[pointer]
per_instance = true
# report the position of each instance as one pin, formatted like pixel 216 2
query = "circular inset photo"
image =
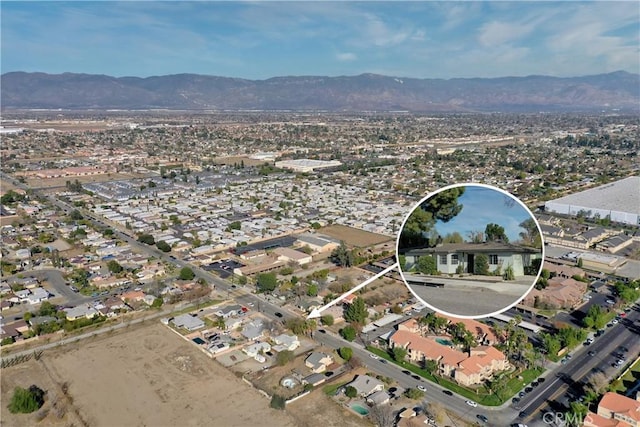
pixel 470 250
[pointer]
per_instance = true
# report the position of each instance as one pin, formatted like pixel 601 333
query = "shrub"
pixel 351 391
pixel 346 353
pixel 277 402
pixel 348 333
pixel 26 400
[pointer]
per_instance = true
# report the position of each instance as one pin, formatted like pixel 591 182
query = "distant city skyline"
pixel 482 206
pixel 259 40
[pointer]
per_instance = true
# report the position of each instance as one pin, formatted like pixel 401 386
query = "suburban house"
pixel 318 361
pixel 81 311
pixel 454 257
pixel 253 330
pixel 189 322
pixel 366 385
pixel 286 342
pixel 37 296
pixel 378 398
pixel 615 410
pixel 256 348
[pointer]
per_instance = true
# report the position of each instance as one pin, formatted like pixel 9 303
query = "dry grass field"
pixel 353 236
pixel 143 376
pixel 61 182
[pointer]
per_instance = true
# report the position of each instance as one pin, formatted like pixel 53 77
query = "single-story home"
pixel 378 398
pixel 318 361
pixel 454 257
pixel 366 385
pixel 188 321
pixel 256 348
pixel 286 342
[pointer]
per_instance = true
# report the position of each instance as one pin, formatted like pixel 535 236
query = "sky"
pixel 482 206
pixel 259 40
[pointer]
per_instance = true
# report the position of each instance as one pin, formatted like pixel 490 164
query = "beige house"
pixel 615 410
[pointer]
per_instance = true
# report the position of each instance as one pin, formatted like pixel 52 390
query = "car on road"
pixel 599 333
pixel 564 360
pixel 521 394
pixel 589 341
pixel 383 361
pixel 471 403
pixel 373 356
pixel 592 353
pixel 482 418
pixel 406 372
pixel 448 392
pixel 416 377
pixel 528 389
pixel 541 380
pixel 515 400
pixel 422 388
pixel 614 321
pixel 278 314
pixel 610 302
pixel 623 349
pixel 322 331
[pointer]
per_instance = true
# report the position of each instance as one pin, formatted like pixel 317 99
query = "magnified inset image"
pixel 470 250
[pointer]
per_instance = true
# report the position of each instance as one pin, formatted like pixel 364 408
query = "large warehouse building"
pixel 307 165
pixel 619 200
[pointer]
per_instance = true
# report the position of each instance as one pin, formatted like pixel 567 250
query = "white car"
pixel 422 388
pixel 614 321
pixel 373 356
pixel 472 403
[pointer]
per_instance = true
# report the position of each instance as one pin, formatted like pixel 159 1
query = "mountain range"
pixel 366 92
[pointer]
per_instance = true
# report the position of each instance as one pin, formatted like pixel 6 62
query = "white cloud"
pixel 346 56
pixel 496 33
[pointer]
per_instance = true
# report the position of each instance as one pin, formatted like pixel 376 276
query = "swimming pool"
pixel 444 342
pixel 360 409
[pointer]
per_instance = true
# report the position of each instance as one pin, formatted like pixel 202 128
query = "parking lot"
pixel 224 267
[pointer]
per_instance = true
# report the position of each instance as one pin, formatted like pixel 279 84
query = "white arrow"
pixel 316 311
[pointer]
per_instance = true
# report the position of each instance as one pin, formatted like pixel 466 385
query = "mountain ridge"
pixel 367 91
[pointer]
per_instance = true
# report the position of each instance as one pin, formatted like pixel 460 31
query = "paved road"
pixel 581 366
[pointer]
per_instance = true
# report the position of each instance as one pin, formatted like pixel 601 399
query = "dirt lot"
pixel 353 236
pixel 145 376
pixel 61 182
pixel 6 186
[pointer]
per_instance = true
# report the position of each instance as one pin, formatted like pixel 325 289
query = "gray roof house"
pixel 318 361
pixel 229 310
pixel 189 322
pixel 366 385
pixel 449 257
pixel 253 330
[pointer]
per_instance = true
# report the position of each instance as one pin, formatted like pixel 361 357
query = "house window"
pixel 493 259
pixel 443 259
pixel 454 259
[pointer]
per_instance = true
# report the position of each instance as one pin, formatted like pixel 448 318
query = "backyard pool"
pixel 360 409
pixel 444 341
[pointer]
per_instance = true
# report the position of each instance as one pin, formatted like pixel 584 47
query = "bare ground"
pixel 354 236
pixel 144 376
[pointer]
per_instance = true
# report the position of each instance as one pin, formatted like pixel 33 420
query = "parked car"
pixel 471 403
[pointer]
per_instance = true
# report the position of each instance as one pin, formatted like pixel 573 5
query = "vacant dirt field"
pixel 61 182
pixel 353 236
pixel 5 186
pixel 149 376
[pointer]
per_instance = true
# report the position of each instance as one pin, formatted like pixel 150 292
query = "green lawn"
pixel 330 390
pixel 628 380
pixel 481 395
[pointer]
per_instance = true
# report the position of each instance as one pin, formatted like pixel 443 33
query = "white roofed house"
pixel 286 342
pixel 38 295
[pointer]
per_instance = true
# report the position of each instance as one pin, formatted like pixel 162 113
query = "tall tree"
pixel 356 312
pixel 342 255
pixel 441 207
pixel 494 232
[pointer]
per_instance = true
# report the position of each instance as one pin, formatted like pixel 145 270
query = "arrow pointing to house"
pixel 316 312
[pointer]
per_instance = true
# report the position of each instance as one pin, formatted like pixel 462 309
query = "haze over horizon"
pixel 268 39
